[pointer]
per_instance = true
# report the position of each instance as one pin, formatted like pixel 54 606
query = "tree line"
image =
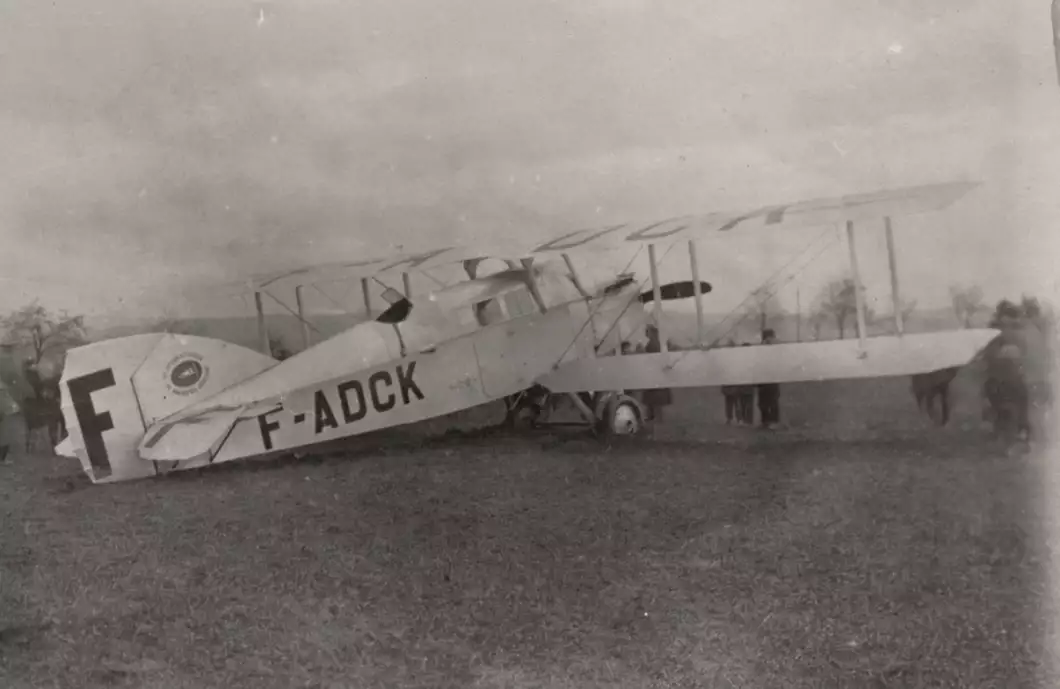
pixel 43 336
pixel 836 305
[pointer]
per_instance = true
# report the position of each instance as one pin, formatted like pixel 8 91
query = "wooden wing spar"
pixel 809 213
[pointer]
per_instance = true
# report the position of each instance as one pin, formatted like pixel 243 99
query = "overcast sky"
pixel 148 145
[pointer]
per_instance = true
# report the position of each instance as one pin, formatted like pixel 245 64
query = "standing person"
pixel 656 398
pixel 746 404
pixel 732 404
pixel 769 393
pixel 13 392
pixel 731 393
pixel 1006 382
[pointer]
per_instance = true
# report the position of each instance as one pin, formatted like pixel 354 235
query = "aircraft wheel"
pixel 622 417
pixel 523 418
pixel 523 414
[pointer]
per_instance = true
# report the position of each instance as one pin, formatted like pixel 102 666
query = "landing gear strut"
pixel 607 414
pixel 527 409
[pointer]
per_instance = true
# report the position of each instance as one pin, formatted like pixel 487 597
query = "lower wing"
pixel 777 363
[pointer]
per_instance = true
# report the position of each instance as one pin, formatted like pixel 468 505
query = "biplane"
pixel 151 404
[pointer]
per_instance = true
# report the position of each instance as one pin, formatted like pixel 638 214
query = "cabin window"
pixel 493 312
pixel 519 303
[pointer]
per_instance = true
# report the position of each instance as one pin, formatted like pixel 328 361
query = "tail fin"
pixel 113 390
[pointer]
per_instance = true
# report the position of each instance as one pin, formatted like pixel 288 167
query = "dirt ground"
pixel 859 547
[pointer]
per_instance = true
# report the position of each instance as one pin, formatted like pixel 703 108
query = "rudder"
pixel 113 390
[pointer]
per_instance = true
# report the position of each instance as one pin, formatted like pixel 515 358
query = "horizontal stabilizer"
pixel 778 363
pixel 194 437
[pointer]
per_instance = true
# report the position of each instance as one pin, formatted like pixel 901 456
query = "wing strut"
pixel 697 290
pixel 859 299
pixel 367 296
pixel 531 284
pixel 263 333
pixel 892 263
pixel 574 277
pixel 300 305
pixel 656 289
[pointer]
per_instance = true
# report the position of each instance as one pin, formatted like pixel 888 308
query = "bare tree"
pixel 178 326
pixel 838 302
pixel 817 321
pixel 967 303
pixel 43 332
pixel 906 307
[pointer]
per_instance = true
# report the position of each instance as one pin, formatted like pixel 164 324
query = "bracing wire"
pixel 778 286
pixel 771 279
pixel 334 301
pixel 434 279
pixel 634 298
pixel 641 283
pixel 291 311
pixel 589 319
pixel 788 280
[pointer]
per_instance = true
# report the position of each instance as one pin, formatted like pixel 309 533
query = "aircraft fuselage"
pixel 489 364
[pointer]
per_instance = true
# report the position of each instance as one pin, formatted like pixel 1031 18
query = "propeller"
pixel 676 290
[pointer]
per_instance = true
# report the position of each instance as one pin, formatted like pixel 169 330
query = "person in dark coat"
pixel 655 398
pixel 1006 386
pixel 769 393
pixel 746 401
pixel 14 390
pixel 731 393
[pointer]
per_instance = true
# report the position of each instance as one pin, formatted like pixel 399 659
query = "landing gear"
pixel 606 414
pixel 527 409
pixel 619 415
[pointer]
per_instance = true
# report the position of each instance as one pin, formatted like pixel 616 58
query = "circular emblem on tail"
pixel 186 374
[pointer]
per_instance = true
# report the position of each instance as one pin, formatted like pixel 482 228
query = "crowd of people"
pixel 1016 388
pixel 28 400
pixel 740 399
pixel 1017 380
pixel 1019 369
pixel 14 390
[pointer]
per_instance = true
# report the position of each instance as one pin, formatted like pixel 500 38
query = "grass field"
pixel 859 548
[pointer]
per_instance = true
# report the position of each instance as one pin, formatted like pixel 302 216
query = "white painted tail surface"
pixel 194 437
pixel 113 390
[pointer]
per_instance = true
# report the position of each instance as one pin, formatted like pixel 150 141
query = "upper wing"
pixel 815 212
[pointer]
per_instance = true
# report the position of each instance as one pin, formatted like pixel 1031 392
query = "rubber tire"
pixel 524 415
pixel 605 426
